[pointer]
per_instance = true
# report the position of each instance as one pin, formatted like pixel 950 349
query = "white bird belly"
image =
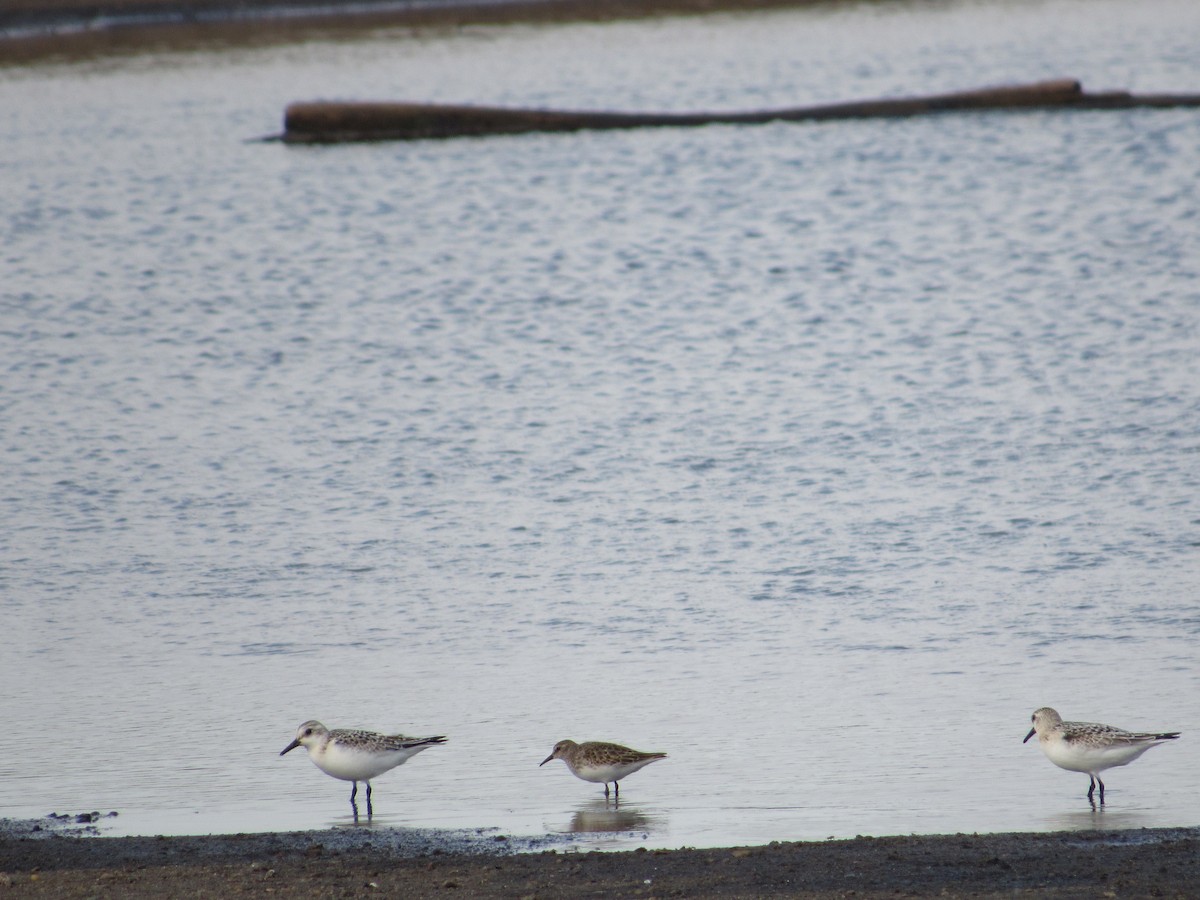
pixel 606 773
pixel 1080 757
pixel 351 764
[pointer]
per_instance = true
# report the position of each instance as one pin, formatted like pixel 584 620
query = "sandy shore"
pixel 362 862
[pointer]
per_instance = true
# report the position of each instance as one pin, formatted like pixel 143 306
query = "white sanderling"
pixel 597 761
pixel 1089 747
pixel 353 755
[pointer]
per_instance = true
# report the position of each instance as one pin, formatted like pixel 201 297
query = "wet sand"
pixel 361 862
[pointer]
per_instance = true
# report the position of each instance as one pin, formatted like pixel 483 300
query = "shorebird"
pixel 1089 747
pixel 353 755
pixel 597 761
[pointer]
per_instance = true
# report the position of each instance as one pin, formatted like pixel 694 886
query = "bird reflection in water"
pixel 611 816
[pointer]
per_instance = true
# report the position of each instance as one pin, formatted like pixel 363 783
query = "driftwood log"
pixel 334 122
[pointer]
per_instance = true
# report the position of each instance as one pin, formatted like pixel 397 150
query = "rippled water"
pixel 815 455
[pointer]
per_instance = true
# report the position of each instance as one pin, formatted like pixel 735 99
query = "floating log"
pixel 336 122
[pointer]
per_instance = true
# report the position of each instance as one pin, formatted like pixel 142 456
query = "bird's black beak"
pixel 1032 732
pixel 546 760
pixel 292 746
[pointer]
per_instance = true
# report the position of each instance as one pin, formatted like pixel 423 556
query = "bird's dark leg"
pixel 1101 791
pixel 370 811
pixel 606 790
pixel 1092 786
pixel 617 788
pixel 353 791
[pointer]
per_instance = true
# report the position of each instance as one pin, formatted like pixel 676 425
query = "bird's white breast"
pixel 1081 756
pixel 608 772
pixel 351 763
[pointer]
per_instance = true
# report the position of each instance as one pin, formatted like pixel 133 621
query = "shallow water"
pixel 817 456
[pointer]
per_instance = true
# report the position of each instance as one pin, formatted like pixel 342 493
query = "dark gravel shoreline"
pixel 361 862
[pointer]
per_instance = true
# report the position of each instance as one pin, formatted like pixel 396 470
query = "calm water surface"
pixel 817 456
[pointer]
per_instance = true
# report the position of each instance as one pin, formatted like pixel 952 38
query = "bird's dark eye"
pixel 307 732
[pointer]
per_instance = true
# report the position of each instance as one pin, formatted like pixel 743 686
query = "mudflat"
pixel 370 862
pixel 35 30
